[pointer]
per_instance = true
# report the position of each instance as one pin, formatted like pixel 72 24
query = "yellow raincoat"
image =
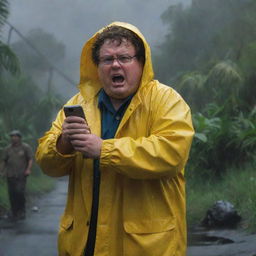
pixel 142 191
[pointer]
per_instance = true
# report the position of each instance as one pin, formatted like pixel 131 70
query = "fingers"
pixel 88 144
pixel 77 133
pixel 79 142
pixel 78 137
pixel 74 125
pixel 74 122
pixel 75 119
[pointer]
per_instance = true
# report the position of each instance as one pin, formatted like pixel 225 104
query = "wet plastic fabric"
pixel 142 191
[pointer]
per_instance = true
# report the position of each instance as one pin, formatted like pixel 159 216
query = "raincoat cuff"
pixel 106 152
pixel 65 155
pixel 54 148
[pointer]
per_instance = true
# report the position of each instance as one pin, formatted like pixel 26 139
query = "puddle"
pixel 206 240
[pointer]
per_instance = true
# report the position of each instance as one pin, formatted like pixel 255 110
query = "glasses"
pixel 121 59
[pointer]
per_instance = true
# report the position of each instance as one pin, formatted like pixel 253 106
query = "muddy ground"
pixel 222 243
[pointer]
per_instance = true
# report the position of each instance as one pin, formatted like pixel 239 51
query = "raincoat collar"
pixel 89 84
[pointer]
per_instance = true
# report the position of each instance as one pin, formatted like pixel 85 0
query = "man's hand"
pixel 76 135
pixel 88 144
pixel 27 172
pixel 2 169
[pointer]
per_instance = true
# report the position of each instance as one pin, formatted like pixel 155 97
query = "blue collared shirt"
pixel 110 120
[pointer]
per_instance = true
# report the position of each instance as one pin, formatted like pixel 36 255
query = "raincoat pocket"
pixel 150 237
pixel 67 222
pixel 64 239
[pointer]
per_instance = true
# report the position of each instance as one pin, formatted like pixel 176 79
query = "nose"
pixel 116 63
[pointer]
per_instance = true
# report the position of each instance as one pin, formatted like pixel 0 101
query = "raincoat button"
pixel 88 223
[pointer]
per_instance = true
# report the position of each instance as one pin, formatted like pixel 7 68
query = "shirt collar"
pixel 104 100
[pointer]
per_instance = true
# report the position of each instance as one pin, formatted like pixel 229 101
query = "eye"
pixel 124 58
pixel 107 59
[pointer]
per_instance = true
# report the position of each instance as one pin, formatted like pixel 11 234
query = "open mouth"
pixel 117 79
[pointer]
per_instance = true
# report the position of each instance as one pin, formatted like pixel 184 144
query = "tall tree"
pixel 44 47
pixel 209 56
pixel 203 34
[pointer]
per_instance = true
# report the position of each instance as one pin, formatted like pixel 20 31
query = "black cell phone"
pixel 74 110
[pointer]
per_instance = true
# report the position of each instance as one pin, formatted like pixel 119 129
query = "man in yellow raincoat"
pixel 126 162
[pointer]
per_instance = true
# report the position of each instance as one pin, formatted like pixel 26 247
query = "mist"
pixel 73 23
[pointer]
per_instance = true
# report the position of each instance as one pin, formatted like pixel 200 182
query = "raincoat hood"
pixel 89 80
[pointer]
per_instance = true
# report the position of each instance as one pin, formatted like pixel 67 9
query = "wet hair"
pixel 117 33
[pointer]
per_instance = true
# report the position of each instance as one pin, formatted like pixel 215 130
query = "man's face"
pixel 119 79
pixel 15 139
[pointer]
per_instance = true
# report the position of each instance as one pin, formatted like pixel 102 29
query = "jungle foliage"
pixel 28 101
pixel 24 105
pixel 209 56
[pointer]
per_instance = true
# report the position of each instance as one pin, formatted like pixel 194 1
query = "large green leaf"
pixel 201 136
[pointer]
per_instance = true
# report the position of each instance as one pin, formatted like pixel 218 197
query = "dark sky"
pixel 73 22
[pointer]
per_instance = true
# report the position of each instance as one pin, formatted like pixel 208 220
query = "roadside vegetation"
pixel 209 57
pixel 236 186
pixel 27 102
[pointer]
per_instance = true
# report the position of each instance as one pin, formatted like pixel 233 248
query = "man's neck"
pixel 117 103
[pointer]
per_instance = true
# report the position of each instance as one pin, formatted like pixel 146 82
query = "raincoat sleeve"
pixel 164 151
pixel 50 160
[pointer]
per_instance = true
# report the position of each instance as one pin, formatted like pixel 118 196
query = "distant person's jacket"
pixel 16 159
pixel 142 190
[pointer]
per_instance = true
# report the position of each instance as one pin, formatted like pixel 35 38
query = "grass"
pixel 236 186
pixel 39 183
pixel 4 202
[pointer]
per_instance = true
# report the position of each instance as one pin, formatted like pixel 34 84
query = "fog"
pixel 73 22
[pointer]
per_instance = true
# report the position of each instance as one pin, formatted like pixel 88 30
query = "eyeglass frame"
pixel 109 60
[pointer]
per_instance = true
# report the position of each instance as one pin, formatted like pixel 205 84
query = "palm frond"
pixel 4 11
pixel 8 60
pixel 224 73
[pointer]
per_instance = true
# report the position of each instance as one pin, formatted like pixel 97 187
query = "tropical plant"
pixel 27 114
pixel 4 11
pixel 8 60
pixel 222 141
pixel 203 34
pixel 209 56
pixel 191 87
pixel 243 136
pixel 203 155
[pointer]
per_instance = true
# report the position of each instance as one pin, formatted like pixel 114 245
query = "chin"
pixel 119 94
pixel 119 97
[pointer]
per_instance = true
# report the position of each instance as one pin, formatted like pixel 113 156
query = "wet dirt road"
pixel 37 235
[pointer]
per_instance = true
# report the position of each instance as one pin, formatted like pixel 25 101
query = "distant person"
pixel 126 191
pixel 17 161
